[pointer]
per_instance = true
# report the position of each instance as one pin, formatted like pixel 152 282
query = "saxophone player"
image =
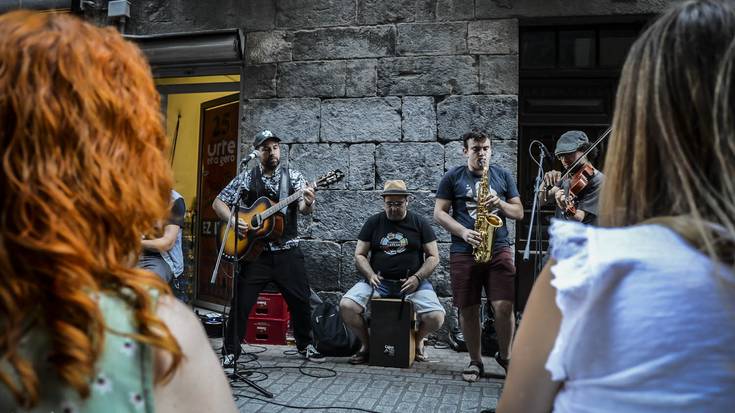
pixel 458 192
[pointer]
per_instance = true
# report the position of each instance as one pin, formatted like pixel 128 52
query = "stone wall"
pixel 381 89
pixel 379 99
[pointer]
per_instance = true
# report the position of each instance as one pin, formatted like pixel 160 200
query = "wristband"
pixel 417 277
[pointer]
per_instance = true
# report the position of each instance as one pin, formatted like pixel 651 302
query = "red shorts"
pixel 469 278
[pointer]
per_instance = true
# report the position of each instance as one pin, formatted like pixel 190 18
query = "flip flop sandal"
pixel 421 355
pixel 473 372
pixel 361 357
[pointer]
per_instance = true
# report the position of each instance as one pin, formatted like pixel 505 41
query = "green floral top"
pixel 123 381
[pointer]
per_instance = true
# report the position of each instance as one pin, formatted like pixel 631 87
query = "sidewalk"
pixel 434 386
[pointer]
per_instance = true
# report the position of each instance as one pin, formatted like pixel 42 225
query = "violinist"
pixel 576 196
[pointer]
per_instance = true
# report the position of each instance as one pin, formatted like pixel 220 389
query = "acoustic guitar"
pixel 266 222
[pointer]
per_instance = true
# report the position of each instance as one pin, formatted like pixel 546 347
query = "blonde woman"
pixel 639 315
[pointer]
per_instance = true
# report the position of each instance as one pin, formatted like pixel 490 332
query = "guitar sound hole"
pixel 254 222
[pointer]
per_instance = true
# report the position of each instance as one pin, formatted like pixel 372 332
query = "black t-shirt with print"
pixel 457 186
pixel 396 247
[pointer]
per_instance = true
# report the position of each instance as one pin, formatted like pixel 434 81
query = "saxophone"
pixel 486 222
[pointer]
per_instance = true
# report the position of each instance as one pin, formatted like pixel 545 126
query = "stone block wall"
pixel 381 89
pixel 383 95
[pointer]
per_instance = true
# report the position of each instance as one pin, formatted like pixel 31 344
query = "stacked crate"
pixel 268 320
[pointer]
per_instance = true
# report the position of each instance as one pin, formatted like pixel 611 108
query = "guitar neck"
pixel 278 206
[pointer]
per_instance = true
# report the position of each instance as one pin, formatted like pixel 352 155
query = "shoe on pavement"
pixel 312 354
pixel 502 362
pixel 228 361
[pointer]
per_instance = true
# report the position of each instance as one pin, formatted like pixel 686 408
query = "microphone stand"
pixel 235 376
pixel 536 219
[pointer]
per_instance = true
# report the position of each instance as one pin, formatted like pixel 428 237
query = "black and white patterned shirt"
pixel 229 194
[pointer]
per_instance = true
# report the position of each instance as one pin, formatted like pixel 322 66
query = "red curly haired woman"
pixel 83 175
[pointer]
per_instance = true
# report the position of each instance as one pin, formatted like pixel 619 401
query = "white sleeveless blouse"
pixel 647 323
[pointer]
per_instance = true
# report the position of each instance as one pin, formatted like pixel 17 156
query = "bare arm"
pixel 221 209
pixel 442 217
pixel 199 384
pixel 164 243
pixel 528 387
pixel 512 209
pixel 223 212
pixel 363 263
pixel 431 260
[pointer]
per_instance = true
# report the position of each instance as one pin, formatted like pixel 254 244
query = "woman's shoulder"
pixel 583 253
pixel 567 237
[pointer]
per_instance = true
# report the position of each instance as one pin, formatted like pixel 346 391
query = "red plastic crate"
pixel 266 331
pixel 269 306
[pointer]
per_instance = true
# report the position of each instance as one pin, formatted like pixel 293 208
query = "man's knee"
pixel 503 309
pixel 349 307
pixel 471 313
pixel 433 319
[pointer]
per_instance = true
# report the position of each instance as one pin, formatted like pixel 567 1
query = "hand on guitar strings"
pixel 242 227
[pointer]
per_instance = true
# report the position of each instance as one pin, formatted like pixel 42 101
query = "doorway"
pixel 568 78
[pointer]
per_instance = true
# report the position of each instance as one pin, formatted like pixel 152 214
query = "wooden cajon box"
pixel 392 333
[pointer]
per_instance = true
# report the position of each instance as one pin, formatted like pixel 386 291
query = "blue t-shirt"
pixel 456 186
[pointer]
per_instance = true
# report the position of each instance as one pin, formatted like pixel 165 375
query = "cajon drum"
pixel 392 332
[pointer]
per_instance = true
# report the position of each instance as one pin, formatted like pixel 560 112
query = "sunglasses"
pixel 395 204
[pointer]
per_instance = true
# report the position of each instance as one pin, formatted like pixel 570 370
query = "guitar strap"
pixel 285 185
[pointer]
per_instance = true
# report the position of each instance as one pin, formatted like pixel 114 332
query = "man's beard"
pixel 395 216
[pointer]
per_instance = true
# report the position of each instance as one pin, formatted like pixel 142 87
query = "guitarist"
pixel 281 261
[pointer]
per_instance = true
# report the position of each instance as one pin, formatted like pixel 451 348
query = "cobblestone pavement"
pixel 434 386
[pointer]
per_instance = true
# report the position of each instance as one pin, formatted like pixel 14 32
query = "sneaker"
pixel 312 354
pixel 502 362
pixel 228 361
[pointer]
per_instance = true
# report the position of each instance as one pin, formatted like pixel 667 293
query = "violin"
pixel 579 181
pixel 581 176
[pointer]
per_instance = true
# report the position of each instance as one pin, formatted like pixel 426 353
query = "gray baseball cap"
pixel 263 136
pixel 570 141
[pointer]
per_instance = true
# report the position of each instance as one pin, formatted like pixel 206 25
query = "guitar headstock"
pixel 329 178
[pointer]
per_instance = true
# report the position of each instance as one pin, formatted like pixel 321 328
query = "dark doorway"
pixel 568 78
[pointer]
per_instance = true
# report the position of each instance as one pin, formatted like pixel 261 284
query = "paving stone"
pixel 406 407
pixel 382 389
pixel 447 408
pixel 366 403
pixel 335 389
pixel 349 396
